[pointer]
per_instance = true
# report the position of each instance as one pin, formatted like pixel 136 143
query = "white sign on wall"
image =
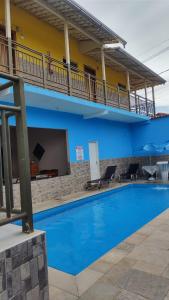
pixel 79 153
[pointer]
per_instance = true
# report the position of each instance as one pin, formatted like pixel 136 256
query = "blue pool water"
pixel 81 232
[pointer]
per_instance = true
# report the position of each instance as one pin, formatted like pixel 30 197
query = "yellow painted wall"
pixel 42 37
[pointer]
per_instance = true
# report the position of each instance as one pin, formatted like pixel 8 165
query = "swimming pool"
pixel 78 233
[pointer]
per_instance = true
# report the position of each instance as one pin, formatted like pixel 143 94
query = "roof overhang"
pixel 120 60
pixel 82 24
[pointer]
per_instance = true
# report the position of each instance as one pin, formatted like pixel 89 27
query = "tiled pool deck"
pixel 138 269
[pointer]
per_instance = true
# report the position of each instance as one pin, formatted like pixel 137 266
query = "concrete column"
pixel 104 73
pixel 153 97
pixel 67 49
pixel 103 64
pixel 8 33
pixel 128 87
pixel 145 89
pixel 67 56
pixel 128 81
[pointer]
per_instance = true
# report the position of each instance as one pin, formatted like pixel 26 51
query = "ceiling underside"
pixel 55 12
pixel 82 26
pixel 119 60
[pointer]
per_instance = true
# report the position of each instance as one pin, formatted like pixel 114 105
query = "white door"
pixel 94 160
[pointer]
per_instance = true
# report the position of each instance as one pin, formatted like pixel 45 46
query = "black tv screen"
pixel 38 151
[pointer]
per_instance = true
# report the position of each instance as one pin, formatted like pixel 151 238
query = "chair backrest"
pixel 133 168
pixel 110 172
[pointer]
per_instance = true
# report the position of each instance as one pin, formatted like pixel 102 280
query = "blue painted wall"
pixel 155 131
pixel 114 138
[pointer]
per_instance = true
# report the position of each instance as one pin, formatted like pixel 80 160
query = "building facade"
pixel 84 110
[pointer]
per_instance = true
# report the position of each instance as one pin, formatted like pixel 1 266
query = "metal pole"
pixel 9 161
pixel 135 96
pixel 145 89
pixel 90 89
pixel 153 96
pixel 104 74
pixel 67 55
pixel 128 88
pixel 44 70
pixel 8 34
pixel 1 175
pixel 23 154
pixel 6 164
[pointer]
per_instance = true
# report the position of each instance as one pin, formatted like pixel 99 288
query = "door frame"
pixel 96 158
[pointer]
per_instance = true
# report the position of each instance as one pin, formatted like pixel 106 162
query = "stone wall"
pixel 23 271
pixel 55 188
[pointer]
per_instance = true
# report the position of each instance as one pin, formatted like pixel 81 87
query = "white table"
pixel 151 170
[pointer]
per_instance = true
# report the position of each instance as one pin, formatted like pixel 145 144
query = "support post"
pixel 128 88
pixel 8 34
pixel 6 164
pixel 118 96
pixel 135 97
pixel 90 88
pixel 23 154
pixel 1 175
pixel 67 56
pixel 44 70
pixel 145 89
pixel 153 97
pixel 104 74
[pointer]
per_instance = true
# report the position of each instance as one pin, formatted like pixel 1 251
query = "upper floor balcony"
pixel 42 69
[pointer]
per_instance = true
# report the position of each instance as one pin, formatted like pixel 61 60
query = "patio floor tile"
pixel 57 294
pixel 86 279
pixel 125 295
pixel 125 247
pixel 145 284
pixel 149 268
pixel 136 238
pixel 101 266
pixel 103 289
pixel 118 270
pixel 113 256
pixel 150 255
pixel 63 281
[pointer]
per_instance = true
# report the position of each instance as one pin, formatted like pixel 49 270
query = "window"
pixel 73 65
pixel 122 87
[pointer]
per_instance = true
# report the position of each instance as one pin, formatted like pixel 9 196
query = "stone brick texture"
pixel 23 271
pixel 55 188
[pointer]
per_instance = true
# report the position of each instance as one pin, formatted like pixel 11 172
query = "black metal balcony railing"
pixel 42 70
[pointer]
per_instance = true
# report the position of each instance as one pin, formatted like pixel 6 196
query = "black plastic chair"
pixel 131 173
pixel 104 180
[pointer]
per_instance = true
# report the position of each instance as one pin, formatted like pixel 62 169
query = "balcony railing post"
pixel 10 56
pixel 44 70
pixel 139 109
pixel 145 88
pixel 135 98
pixel 105 91
pixel 153 97
pixel 129 100
pixel 69 80
pixel 118 96
pixel 89 85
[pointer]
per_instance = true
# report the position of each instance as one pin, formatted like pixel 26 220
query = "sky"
pixel 144 24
